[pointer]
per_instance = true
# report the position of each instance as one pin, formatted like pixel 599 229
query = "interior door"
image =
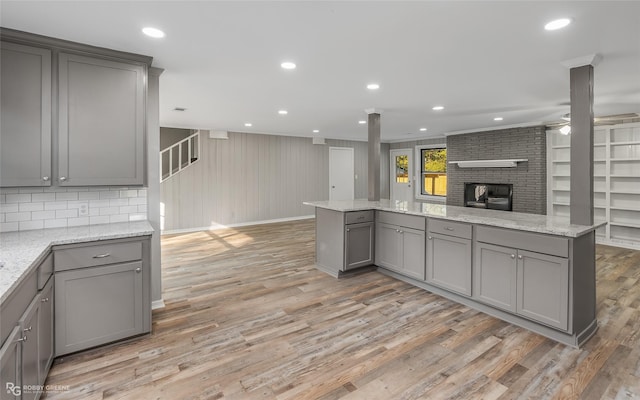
pixel 401 163
pixel 341 173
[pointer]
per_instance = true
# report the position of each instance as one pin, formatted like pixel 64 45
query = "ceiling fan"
pixel 564 126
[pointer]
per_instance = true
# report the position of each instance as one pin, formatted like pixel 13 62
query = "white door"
pixel 401 179
pixel 341 173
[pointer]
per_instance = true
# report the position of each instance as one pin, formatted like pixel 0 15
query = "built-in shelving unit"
pixel 616 181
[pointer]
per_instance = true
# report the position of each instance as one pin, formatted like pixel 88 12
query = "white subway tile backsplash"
pixel 102 219
pixel 37 206
pixel 55 205
pixel 43 197
pixel 43 215
pixel 18 198
pixel 67 196
pixel 9 226
pixel 55 223
pixel 88 196
pixel 71 213
pixel 49 207
pixel 28 225
pixel 18 216
pixel 80 221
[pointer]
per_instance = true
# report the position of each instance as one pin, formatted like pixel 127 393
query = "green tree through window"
pixel 434 171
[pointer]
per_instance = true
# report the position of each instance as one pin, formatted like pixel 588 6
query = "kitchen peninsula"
pixel 534 271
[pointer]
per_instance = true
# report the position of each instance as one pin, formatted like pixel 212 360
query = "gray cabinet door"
pixel 388 247
pixel 97 305
pixel 494 276
pixel 30 361
pixel 45 331
pixel 25 116
pixel 10 365
pixel 413 248
pixel 543 288
pixel 100 121
pixel 449 263
pixel 358 245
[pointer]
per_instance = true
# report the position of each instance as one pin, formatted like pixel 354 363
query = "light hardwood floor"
pixel 248 316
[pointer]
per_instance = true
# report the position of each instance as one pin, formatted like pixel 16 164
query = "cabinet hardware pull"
pixel 348 230
pixel 44 300
pixel 45 178
pixel 401 231
pixel 27 329
pixel 430 237
pixel 519 256
pixel 448 228
pixel 513 256
pixel 138 270
pixel 22 339
pixel 102 255
pixel 63 178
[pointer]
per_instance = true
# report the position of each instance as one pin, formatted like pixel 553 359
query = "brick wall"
pixel 528 178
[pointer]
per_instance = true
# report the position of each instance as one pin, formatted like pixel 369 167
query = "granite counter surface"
pixel 20 252
pixel 503 219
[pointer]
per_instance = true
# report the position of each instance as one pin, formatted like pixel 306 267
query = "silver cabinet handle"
pixel 401 231
pixel 45 178
pixel 448 228
pixel 63 178
pixel 46 299
pixel 138 270
pixel 519 257
pixel 27 329
pixel 348 230
pixel 513 256
pixel 102 255
pixel 430 237
pixel 22 339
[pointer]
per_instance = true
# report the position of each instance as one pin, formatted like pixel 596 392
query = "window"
pixel 433 171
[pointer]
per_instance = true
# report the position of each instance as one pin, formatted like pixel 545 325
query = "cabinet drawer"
pixel 545 244
pixel 101 254
pixel 457 229
pixel 356 217
pixel 408 221
pixel 45 270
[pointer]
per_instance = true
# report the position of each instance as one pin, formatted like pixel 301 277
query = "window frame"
pixel 418 172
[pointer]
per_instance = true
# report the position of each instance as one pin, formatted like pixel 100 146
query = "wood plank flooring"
pixel 248 316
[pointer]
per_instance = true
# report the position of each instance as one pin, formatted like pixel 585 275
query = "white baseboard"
pixel 214 227
pixel 157 304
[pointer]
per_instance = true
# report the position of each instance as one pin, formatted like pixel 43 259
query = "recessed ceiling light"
pixel 283 112
pixel 498 119
pixel 373 86
pixel 423 129
pixel 316 131
pixel 248 124
pixel 438 108
pixel 557 24
pixel 288 65
pixel 153 32
pixel 362 122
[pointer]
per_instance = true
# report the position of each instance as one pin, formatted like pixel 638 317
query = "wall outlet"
pixel 83 209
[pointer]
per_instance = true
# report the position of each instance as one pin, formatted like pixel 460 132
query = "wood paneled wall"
pixel 252 178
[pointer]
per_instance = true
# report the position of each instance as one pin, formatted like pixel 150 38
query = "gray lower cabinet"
pixel 400 249
pixel 449 262
pixel 25 116
pixel 358 245
pixel 45 331
pixel 101 111
pixel 29 324
pixel 530 284
pixel 101 293
pixel 10 365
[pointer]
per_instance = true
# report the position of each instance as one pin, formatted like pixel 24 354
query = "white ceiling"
pixel 479 59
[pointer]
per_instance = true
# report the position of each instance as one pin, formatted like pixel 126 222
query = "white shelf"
pixel 625 224
pixel 626 159
pixel 488 163
pixel 632 142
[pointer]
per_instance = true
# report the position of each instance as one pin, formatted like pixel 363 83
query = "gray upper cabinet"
pixel 101 115
pixel 25 116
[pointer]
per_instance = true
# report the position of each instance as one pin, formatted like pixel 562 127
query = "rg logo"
pixel 13 389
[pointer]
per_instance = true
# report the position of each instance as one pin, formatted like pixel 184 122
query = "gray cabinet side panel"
pixel 25 117
pixel 583 274
pixel 330 239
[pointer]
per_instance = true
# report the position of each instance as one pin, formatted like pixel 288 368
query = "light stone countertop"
pixel 503 219
pixel 20 252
